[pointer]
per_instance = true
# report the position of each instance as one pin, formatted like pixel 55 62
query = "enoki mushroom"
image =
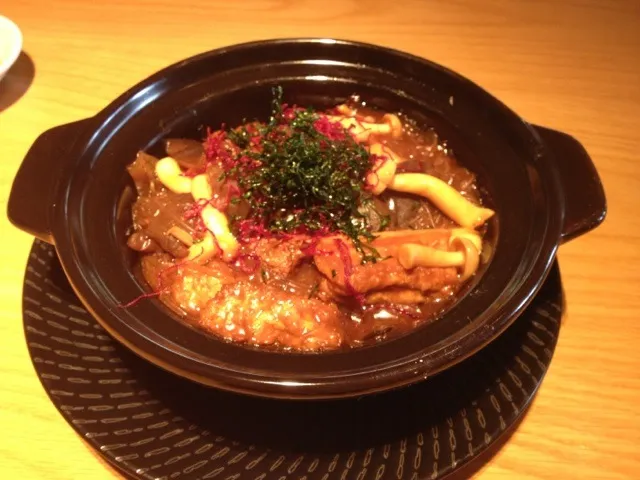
pixel 451 202
pixel 443 196
pixel 363 130
pixel 218 238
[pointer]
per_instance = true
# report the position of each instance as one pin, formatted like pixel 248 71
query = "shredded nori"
pixel 303 175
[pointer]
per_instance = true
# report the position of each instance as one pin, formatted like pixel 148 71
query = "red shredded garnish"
pixel 248 263
pixel 141 297
pixel 311 249
pixel 218 149
pixel 250 229
pixel 215 242
pixel 161 288
pixel 247 163
pixel 330 129
pixel 289 112
pixel 345 257
pixel 358 123
pixel 377 162
pixel 194 211
pixel 231 191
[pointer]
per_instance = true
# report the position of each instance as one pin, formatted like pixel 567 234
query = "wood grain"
pixel 572 65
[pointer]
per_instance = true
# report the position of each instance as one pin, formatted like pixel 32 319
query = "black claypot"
pixel 72 190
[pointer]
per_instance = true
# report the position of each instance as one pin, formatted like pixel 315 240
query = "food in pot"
pixel 309 232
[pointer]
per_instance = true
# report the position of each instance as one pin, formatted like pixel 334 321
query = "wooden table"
pixel 571 65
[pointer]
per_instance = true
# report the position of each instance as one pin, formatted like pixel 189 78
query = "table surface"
pixel 570 65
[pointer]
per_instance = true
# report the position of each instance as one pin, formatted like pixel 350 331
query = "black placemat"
pixel 153 425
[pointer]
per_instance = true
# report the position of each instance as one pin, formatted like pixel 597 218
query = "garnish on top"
pixel 301 173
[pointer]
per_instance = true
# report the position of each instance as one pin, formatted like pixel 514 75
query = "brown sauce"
pixel 273 294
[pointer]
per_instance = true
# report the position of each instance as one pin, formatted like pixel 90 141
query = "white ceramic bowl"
pixel 10 44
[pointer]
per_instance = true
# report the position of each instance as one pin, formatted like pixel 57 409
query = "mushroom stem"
pixel 362 130
pixel 443 196
pixel 169 173
pixel 215 221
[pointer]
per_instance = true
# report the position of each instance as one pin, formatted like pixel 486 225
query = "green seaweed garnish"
pixel 302 173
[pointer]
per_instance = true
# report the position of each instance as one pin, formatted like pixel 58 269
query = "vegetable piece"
pixel 279 257
pixel 383 150
pixel 303 281
pixel 471 256
pixel 466 258
pixel 411 255
pixel 156 268
pixel 141 242
pixel 169 173
pixel 443 196
pixel 377 214
pixel 238 209
pixel 204 250
pixel 142 171
pixel 168 243
pixel 394 124
pixel 427 236
pixel 383 170
pixel 188 153
pixel 200 188
pixel 215 173
pixel 181 235
pixel 217 223
pixel 406 208
pixel 362 130
pixel 214 220
pixel 155 214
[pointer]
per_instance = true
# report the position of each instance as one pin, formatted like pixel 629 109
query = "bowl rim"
pixel 16 39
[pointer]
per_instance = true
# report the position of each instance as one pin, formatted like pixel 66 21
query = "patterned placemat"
pixel 153 425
